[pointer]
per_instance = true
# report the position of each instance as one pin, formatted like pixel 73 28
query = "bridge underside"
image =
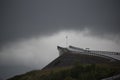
pixel 76 50
pixel 69 59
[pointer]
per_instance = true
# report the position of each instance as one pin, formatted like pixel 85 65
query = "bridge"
pixel 105 54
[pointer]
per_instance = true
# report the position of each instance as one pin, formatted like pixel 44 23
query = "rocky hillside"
pixel 69 59
pixel 76 72
pixel 71 66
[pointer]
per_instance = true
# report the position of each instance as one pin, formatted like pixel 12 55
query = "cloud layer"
pixel 30 30
pixel 34 53
pixel 28 18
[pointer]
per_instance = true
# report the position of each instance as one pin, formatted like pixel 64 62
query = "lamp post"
pixel 66 41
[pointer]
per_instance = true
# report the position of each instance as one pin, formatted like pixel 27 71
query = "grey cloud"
pixel 28 18
pixel 8 71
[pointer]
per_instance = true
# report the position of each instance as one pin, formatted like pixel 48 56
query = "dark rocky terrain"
pixel 64 68
pixel 69 59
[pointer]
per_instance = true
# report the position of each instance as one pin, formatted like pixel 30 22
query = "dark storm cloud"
pixel 27 18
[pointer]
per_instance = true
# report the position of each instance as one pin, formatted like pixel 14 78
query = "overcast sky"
pixel 30 30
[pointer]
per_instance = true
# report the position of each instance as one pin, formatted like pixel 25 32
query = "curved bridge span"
pixel 75 50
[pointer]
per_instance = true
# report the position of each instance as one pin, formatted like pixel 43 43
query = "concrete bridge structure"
pixel 75 50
